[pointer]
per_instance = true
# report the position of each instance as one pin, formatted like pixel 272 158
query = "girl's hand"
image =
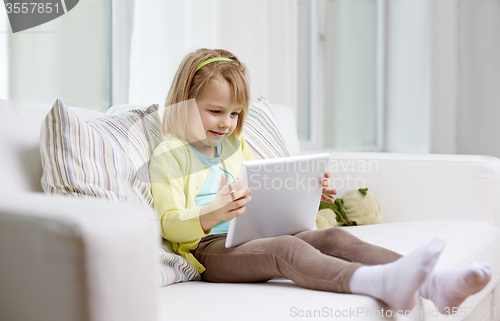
pixel 327 191
pixel 226 205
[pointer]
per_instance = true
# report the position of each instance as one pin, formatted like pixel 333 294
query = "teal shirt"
pixel 208 191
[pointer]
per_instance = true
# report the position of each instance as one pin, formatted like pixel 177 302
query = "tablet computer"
pixel 286 193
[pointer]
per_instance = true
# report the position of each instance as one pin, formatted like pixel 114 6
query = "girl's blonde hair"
pixel 188 83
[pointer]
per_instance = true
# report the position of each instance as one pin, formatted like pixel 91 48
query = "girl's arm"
pixel 178 223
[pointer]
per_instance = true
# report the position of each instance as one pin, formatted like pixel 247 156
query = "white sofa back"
pixel 20 161
pixel 423 187
pixel 21 164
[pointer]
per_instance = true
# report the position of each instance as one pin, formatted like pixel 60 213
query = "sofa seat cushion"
pixel 281 299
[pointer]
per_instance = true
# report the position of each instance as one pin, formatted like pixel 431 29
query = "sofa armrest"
pixel 66 258
pixel 423 187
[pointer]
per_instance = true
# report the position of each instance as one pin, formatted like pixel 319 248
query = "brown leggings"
pixel 320 259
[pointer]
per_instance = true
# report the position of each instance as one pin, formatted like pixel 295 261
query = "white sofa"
pixel 63 258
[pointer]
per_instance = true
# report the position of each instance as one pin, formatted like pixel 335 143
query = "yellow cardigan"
pixel 176 178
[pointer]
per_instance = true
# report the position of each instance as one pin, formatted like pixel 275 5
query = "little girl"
pixel 194 175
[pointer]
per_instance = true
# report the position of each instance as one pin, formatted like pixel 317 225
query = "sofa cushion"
pixel 281 299
pixel 99 157
pixel 466 242
pixel 262 133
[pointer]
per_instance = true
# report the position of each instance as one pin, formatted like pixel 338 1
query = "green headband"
pixel 206 62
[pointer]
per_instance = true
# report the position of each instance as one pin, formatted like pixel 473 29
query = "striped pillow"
pixel 174 268
pixel 107 157
pixel 261 131
pixel 100 157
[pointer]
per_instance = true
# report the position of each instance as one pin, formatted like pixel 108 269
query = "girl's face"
pixel 218 114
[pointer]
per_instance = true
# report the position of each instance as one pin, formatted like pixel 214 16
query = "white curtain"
pixel 478 101
pixel 443 77
pixel 350 77
pixel 408 108
pixel 263 34
pixel 128 52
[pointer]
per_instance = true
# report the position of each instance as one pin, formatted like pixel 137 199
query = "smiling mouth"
pixel 217 134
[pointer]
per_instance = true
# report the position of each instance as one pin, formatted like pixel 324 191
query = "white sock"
pixel 448 288
pixel 397 283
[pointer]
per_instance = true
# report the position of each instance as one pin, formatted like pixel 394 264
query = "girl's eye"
pixel 235 114
pixel 215 111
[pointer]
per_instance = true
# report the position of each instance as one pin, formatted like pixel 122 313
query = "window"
pixel 4 59
pixel 68 58
pixel 340 74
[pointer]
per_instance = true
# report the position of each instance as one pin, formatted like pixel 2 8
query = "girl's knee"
pixel 336 234
pixel 285 240
pixel 282 245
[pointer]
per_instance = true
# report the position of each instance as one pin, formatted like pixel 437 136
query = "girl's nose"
pixel 224 123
